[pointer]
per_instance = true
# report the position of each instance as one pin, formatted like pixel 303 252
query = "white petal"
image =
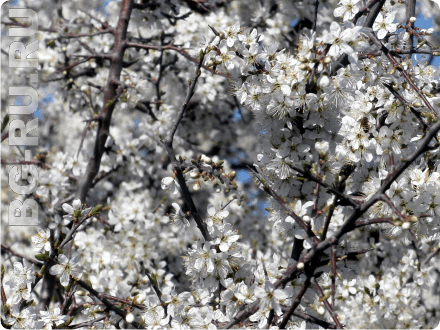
pixel 285 89
pixel 68 208
pixel 64 279
pixel 290 219
pixel 381 33
pixel 335 28
pixel 307 244
pixel 56 270
pixel 339 11
pixel 211 210
pixel 76 258
pixel 63 259
pixel 224 247
pixel 176 207
pixel 76 204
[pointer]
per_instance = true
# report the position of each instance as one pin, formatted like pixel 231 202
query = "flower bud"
pixel 322 147
pixel 129 318
pixel 194 175
pixel 302 66
pixel 206 160
pixel 321 310
pixel 417 104
pixel 139 299
pixel 324 81
pixel 413 218
pixel 327 60
pixel 98 208
pixel 300 265
pixel 406 225
pixel 306 219
pixel 412 19
pixel 430 31
pixel 196 186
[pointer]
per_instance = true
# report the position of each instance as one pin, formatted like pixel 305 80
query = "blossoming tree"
pixel 148 110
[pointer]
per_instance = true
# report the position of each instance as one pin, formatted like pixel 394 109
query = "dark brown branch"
pixel 333 265
pixel 368 222
pixel 102 298
pixel 110 97
pixel 5 136
pixel 124 301
pixel 3 295
pixel 295 303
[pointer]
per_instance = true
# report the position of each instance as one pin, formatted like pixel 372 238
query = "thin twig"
pixel 326 304
pixel 168 143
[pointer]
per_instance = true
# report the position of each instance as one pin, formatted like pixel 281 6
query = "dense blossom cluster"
pixel 337 115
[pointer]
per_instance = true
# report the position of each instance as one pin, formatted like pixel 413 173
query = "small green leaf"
pixel 42 256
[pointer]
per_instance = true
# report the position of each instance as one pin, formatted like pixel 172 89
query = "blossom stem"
pixel 326 303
